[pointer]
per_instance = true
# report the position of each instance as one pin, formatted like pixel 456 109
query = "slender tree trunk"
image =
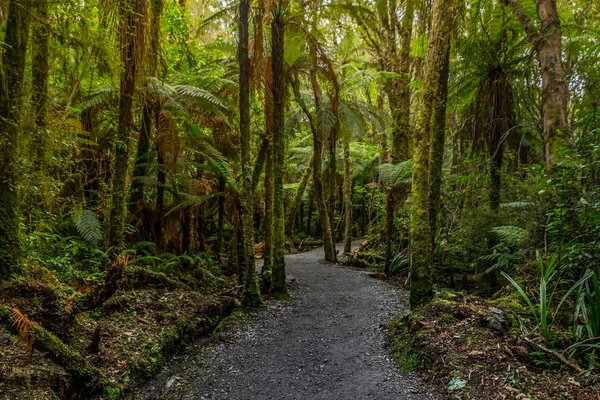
pixel 389 231
pixel 40 70
pixel 547 43
pixel 11 92
pixel 323 225
pixel 132 20
pixel 347 197
pixel 311 205
pixel 332 169
pixel 259 163
pixel 398 93
pixel 220 217
pixel 298 198
pixel 278 286
pixel 436 155
pixel 251 294
pixel 421 278
pixel 269 174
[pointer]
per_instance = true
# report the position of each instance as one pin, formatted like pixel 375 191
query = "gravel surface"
pixel 326 343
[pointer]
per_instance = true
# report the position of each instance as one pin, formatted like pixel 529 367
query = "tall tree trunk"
pixel 332 167
pixel 251 293
pixel 347 197
pixel 269 178
pixel 547 43
pixel 324 225
pixel 40 71
pixel 11 92
pixel 311 205
pixel 131 30
pixel 278 286
pixel 421 278
pixel 298 197
pixel 220 217
pixel 398 93
pixel 142 157
pixel 436 155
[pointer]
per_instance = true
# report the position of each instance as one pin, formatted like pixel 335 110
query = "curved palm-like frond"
pixel 394 176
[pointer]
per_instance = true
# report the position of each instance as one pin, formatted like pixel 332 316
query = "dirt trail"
pixel 326 343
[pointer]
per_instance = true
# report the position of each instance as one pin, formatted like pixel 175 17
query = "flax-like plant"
pixel 549 271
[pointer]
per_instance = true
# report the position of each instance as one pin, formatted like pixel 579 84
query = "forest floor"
pixel 325 343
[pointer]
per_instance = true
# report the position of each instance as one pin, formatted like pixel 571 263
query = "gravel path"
pixel 326 343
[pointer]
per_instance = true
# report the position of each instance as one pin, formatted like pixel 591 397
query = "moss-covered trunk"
pixel 347 197
pixel 131 22
pixel 278 286
pixel 436 155
pixel 251 293
pixel 11 93
pixel 421 276
pixel 269 179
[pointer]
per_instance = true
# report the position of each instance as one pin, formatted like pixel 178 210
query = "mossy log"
pixel 83 378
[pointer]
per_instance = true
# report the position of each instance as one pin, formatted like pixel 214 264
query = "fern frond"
pixel 88 226
pixel 394 176
pixel 512 235
pixel 102 96
pixel 25 329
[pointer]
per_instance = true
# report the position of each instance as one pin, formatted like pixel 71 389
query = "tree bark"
pixel 547 43
pixel 40 72
pixel 11 92
pixel 278 286
pixel 436 155
pixel 347 197
pixel 269 177
pixel 131 29
pixel 421 278
pixel 251 294
pixel 142 157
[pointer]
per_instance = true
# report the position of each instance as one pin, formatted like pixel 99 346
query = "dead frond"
pixel 25 329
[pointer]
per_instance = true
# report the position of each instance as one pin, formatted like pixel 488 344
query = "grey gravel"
pixel 326 343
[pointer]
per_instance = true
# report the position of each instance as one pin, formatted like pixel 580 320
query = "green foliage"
pixel 512 235
pixel 88 226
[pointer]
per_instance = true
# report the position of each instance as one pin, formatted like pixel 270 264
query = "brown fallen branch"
pixel 556 354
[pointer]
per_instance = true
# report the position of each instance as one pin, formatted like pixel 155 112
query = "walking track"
pixel 326 343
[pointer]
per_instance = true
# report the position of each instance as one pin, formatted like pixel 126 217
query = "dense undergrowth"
pixel 85 326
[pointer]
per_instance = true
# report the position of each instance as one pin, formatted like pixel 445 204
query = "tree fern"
pixel 395 175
